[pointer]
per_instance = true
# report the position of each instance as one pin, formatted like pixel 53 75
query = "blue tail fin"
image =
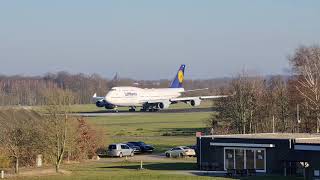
pixel 178 80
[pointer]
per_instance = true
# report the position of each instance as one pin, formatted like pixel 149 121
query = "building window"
pixel 245 158
pixel 260 160
pixel 250 159
pixel 239 158
pixel 229 158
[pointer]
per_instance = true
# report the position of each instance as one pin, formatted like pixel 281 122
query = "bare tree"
pixel 278 102
pixel 306 63
pixel 58 116
pixel 237 111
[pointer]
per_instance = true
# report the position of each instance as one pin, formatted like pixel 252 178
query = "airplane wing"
pixel 158 101
pixel 192 90
pixel 97 98
pixel 195 101
pixel 184 99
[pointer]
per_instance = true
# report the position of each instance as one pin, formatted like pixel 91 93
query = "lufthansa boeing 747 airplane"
pixel 150 99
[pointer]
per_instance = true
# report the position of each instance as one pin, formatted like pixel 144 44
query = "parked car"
pixel 135 148
pixel 119 150
pixel 194 147
pixel 143 146
pixel 180 151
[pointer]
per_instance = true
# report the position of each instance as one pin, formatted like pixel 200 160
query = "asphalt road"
pixel 147 158
pixel 127 113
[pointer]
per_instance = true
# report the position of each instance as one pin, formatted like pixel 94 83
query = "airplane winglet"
pixel 94 95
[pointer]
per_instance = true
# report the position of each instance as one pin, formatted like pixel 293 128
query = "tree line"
pixel 273 104
pixel 30 91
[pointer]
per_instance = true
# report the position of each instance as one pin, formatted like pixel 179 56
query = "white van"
pixel 119 150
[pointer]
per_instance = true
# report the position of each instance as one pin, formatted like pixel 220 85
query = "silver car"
pixel 180 151
pixel 119 150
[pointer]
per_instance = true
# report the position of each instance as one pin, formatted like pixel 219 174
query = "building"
pixel 276 153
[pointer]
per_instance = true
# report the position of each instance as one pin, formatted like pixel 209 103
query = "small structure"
pixel 39 160
pixel 270 153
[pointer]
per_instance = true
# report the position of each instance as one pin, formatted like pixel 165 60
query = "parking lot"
pixel 146 158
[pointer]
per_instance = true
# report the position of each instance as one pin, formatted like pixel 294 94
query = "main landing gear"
pixel 132 109
pixel 116 109
pixel 149 107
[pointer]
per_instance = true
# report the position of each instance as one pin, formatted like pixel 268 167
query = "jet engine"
pixel 164 105
pixel 195 102
pixel 101 103
pixel 104 103
pixel 109 106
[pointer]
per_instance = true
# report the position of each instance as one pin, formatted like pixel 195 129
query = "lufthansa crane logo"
pixel 180 76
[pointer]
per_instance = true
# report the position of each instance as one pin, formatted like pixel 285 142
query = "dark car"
pixel 143 146
pixel 135 148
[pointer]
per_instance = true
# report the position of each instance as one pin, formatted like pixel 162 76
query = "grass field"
pixel 161 130
pixel 92 107
pixel 124 170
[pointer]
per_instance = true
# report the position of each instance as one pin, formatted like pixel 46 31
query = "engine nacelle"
pixel 105 104
pixel 101 103
pixel 164 105
pixel 109 106
pixel 195 102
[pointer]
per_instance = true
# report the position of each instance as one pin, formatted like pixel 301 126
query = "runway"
pixel 127 113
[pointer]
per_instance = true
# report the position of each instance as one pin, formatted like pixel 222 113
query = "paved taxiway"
pixel 127 113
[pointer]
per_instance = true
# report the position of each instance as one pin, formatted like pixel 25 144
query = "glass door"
pixel 229 159
pixel 260 160
pixel 245 158
pixel 239 158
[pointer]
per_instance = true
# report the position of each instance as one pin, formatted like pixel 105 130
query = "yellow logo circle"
pixel 180 76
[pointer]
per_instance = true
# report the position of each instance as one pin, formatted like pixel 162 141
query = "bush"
pixel 89 141
pixel 4 162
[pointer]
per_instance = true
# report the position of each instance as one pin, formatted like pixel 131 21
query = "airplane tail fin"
pixel 178 80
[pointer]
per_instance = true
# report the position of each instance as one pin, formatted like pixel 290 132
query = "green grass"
pixel 161 130
pixel 93 107
pixel 125 170
pixel 129 170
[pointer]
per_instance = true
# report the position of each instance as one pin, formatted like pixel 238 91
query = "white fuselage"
pixel 133 96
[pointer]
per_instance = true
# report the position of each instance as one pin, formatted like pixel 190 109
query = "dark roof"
pixel 298 137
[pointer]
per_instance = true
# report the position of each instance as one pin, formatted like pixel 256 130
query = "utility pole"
pixel 298 117
pixel 273 128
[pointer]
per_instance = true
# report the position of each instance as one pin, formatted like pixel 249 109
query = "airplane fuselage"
pixel 133 96
pixel 150 99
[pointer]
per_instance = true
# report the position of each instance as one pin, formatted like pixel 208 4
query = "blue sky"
pixel 147 39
